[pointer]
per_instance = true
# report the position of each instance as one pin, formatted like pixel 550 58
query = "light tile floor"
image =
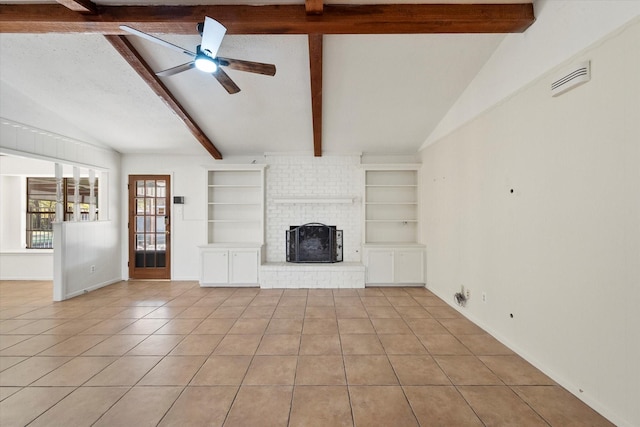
pixel 174 354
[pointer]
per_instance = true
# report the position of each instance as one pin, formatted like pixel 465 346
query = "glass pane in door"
pixel 150 221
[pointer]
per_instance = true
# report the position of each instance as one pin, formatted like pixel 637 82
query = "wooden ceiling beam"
pixel 273 19
pixel 129 53
pixel 314 7
pixel 81 6
pixel 315 66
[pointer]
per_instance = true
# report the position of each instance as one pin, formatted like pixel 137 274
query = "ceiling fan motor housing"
pixel 204 61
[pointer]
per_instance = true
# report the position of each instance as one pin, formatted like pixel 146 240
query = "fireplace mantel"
pixel 313 200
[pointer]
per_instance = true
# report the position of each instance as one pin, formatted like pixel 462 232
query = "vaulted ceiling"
pixel 351 77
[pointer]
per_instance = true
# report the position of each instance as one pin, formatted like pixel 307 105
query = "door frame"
pixel 150 273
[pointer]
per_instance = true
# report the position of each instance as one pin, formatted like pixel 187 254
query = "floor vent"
pixel 577 75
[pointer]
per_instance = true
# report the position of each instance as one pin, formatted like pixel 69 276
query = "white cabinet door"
pixel 215 267
pixel 408 266
pixel 243 266
pixel 380 266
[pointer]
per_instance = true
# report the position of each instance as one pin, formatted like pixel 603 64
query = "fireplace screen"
pixel 314 242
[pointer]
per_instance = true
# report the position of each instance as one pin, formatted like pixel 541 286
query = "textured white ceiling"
pixel 382 93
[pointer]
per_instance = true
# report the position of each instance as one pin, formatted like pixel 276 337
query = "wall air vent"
pixel 570 78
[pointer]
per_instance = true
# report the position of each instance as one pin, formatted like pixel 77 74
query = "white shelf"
pixel 233 186
pixel 392 203
pixel 386 245
pixel 245 245
pixel 392 220
pixel 235 206
pixel 235 220
pixel 235 203
pixel 390 185
pixel 391 207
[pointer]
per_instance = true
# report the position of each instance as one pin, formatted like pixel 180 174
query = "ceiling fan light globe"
pixel 206 64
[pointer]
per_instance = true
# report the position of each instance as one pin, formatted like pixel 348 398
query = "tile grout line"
pixel 344 367
pixel 295 372
pixel 396 373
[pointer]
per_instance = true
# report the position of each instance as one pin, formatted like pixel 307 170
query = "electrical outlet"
pixel 484 297
pixel 92 269
pixel 467 293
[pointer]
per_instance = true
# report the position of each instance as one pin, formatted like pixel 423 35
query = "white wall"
pixel 561 253
pixel 188 221
pixel 562 29
pixel 20 265
pixel 12 213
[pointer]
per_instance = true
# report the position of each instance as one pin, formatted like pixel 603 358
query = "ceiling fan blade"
pixel 156 40
pixel 249 66
pixel 226 81
pixel 177 69
pixel 212 36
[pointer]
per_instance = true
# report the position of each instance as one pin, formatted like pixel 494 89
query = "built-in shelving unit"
pixel 391 205
pixel 235 226
pixel 235 206
pixel 392 254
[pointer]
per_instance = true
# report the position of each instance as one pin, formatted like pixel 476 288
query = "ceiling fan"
pixel 205 59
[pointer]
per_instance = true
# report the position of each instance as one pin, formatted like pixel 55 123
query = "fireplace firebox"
pixel 314 242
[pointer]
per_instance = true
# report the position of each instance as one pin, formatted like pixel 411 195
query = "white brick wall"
pixel 300 176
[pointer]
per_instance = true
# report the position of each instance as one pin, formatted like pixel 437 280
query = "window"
pixel 83 198
pixel 41 207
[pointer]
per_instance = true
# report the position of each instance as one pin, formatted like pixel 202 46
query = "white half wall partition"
pixel 83 257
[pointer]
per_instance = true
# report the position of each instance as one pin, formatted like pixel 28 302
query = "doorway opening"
pixel 149 227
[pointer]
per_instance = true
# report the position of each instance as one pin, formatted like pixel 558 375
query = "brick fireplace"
pixel 301 189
